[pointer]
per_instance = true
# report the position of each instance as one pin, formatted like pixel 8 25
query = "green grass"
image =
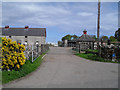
pixel 27 68
pixel 90 50
pixel 92 57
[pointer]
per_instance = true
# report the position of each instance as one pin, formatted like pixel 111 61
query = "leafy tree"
pixel 104 38
pixel 67 37
pixel 112 39
pixel 70 37
pixel 75 37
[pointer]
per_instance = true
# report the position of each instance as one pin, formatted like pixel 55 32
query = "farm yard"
pixel 62 69
pixel 59 64
pixel 28 68
pixel 59 45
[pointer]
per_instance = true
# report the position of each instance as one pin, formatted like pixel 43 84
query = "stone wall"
pixel 44 48
pixel 110 52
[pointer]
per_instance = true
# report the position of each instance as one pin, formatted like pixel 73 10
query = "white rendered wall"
pixel 30 39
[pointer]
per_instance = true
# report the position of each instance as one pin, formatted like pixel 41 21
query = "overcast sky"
pixel 61 18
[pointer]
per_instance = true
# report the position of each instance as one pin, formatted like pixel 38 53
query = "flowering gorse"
pixel 12 54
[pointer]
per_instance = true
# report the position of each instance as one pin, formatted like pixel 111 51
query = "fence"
pixel 34 50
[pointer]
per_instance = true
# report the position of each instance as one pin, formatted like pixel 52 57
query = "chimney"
pixel 7 27
pixel 26 27
pixel 85 32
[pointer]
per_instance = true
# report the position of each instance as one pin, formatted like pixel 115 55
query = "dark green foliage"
pixel 70 37
pixel 67 37
pixel 90 56
pixel 104 38
pixel 112 39
pixel 92 51
pixel 74 37
pixel 117 34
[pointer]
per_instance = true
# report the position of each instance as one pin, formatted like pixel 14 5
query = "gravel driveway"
pixel 62 69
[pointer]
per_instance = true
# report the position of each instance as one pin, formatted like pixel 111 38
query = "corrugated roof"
pixel 23 32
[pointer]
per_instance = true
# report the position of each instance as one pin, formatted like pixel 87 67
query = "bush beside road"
pixel 27 68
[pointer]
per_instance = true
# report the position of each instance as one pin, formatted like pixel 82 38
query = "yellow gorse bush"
pixel 12 54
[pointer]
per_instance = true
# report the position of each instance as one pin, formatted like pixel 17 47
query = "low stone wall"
pixel 110 52
pixel 44 48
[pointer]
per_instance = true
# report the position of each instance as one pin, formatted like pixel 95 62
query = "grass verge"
pixel 93 57
pixel 27 68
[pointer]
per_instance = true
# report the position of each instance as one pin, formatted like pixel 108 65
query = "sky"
pixel 62 18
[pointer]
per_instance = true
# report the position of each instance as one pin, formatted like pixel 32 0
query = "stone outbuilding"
pixel 72 43
pixel 85 41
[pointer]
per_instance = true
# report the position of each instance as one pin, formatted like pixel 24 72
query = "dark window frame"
pixel 26 36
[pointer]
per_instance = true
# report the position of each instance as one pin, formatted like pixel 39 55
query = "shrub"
pixel 92 51
pixel 12 54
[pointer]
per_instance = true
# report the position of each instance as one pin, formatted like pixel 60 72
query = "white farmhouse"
pixel 25 35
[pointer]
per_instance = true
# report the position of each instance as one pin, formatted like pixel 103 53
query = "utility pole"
pixel 98 24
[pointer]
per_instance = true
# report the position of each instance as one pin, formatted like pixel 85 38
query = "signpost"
pixel 113 57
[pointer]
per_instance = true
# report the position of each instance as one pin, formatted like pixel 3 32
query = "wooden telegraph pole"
pixel 98 24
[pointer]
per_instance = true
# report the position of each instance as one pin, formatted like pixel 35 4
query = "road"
pixel 61 69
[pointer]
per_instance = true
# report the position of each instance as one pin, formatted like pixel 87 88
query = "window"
pixel 25 36
pixel 25 42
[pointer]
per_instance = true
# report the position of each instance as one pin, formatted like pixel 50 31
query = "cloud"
pixel 34 14
pixel 60 1
pixel 69 18
pixel 85 14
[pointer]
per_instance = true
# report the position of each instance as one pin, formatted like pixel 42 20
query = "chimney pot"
pixel 85 32
pixel 7 27
pixel 26 27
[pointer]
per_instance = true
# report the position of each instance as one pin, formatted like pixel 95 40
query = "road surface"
pixel 62 69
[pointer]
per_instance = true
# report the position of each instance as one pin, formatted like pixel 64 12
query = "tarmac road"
pixel 61 69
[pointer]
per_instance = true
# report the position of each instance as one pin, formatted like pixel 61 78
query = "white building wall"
pixel 30 39
pixel 33 39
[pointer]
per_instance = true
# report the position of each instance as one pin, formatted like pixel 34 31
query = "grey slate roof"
pixel 86 38
pixel 23 32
